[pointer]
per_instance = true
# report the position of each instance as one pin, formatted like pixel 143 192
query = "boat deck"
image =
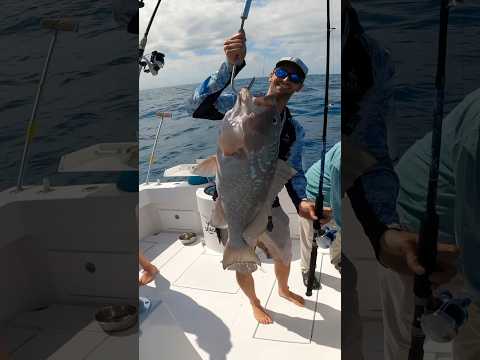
pixel 199 313
pixel 216 316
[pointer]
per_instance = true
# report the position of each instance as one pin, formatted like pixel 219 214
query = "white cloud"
pixel 191 34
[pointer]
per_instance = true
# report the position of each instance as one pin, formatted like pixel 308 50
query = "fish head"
pixel 247 126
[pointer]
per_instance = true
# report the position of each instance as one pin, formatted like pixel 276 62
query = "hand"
pixel 398 251
pixel 306 209
pixel 148 275
pixel 235 48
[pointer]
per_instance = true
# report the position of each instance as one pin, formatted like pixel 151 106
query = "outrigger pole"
pixel 162 115
pixel 55 26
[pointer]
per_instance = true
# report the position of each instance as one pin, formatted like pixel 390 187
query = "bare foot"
pixel 260 314
pixel 290 296
pixel 148 275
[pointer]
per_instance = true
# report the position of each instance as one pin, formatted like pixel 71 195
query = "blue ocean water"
pixel 89 96
pixel 183 139
pixel 92 62
pixel 409 31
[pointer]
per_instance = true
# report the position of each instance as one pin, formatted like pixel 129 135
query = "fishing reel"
pixel 326 239
pixel 443 324
pixel 154 64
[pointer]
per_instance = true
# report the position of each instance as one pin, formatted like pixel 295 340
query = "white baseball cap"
pixel 296 61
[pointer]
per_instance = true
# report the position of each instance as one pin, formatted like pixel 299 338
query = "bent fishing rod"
pixel 143 43
pixel 425 302
pixel 317 227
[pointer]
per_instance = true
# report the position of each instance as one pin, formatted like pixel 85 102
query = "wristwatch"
pixel 392 226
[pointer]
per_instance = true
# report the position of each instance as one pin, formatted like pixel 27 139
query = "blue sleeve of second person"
pixel 380 184
pixel 333 175
pixel 331 181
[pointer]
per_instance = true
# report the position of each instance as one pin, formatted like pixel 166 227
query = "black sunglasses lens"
pixel 295 78
pixel 281 73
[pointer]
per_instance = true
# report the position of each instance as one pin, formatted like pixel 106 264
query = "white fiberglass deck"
pixel 217 319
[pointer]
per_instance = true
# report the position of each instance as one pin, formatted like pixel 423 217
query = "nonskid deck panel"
pixel 216 315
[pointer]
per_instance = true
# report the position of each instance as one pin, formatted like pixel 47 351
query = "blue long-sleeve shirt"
pixel 367 90
pixel 331 181
pixel 458 204
pixel 209 102
pixel 369 130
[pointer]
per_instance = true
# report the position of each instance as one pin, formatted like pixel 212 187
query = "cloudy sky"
pixel 191 34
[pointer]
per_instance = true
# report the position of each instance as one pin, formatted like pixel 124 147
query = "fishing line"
pixel 244 16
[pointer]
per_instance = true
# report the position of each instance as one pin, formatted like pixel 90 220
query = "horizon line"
pixel 246 78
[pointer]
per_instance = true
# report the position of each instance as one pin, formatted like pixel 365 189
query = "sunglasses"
pixel 293 77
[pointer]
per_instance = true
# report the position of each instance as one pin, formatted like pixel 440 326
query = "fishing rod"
pixel 156 62
pixel 317 227
pixel 244 16
pixel 427 306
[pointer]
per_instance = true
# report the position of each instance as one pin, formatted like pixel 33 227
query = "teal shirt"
pixel 331 181
pixel 458 204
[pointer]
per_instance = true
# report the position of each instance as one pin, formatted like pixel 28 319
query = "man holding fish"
pixel 259 152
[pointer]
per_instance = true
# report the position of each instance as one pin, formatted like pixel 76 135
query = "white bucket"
pixel 205 205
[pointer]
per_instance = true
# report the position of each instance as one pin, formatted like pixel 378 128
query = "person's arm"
pixel 207 101
pixel 149 272
pixel 373 227
pixel 297 184
pixel 374 194
pixel 331 181
pixel 335 187
pixel 467 208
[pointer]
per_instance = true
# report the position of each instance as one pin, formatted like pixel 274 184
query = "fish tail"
pixel 241 259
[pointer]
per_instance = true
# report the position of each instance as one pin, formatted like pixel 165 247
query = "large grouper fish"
pixel 249 175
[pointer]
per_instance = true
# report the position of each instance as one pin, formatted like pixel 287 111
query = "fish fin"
pixel 218 214
pixel 258 225
pixel 222 235
pixel 283 173
pixel 241 259
pixel 207 167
